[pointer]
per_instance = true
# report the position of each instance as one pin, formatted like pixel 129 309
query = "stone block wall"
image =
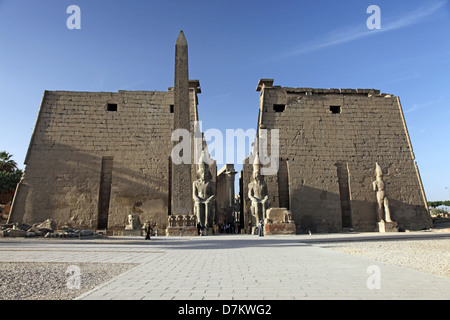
pixel 74 132
pixel 330 140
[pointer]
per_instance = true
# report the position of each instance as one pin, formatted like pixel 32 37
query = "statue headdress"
pixel 256 164
pixel 378 171
pixel 203 165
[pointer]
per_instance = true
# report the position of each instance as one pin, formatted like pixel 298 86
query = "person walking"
pixel 148 230
pixel 261 228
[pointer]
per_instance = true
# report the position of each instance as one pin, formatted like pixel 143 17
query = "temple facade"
pixel 106 160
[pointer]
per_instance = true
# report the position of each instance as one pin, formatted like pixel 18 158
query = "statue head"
pixel 256 168
pixel 378 171
pixel 203 172
pixel 257 176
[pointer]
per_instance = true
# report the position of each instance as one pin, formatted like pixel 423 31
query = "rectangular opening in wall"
pixel 283 184
pixel 104 195
pixel 279 107
pixel 169 204
pixel 335 109
pixel 344 194
pixel 171 108
pixel 111 107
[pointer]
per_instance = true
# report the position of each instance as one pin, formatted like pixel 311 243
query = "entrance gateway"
pixel 101 159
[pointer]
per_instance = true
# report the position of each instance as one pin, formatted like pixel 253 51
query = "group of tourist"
pixel 229 228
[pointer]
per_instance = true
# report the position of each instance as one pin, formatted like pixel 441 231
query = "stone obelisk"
pixel 181 173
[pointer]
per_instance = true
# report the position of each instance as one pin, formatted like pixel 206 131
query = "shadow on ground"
pixel 227 242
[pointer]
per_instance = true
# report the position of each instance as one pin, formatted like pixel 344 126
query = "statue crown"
pixel 378 171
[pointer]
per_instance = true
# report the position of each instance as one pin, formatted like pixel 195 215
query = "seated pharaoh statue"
pixel 257 192
pixel 204 194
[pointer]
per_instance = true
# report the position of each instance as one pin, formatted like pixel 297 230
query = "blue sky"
pixel 129 45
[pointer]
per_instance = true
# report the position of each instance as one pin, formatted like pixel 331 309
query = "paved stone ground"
pixel 241 267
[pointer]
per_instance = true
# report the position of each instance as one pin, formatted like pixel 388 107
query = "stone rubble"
pixel 46 229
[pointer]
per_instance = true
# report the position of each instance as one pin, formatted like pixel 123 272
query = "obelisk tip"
pixel 181 40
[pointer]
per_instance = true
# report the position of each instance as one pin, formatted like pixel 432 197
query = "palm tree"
pixel 6 164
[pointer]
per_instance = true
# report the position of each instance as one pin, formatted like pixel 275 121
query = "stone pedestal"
pixel 387 226
pixel 279 228
pixel 279 221
pixel 181 232
pixel 132 233
pixel 182 226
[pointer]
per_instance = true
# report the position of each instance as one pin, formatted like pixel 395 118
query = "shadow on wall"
pixel 319 211
pixel 63 183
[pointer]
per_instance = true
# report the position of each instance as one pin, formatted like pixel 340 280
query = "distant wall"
pixel 225 194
